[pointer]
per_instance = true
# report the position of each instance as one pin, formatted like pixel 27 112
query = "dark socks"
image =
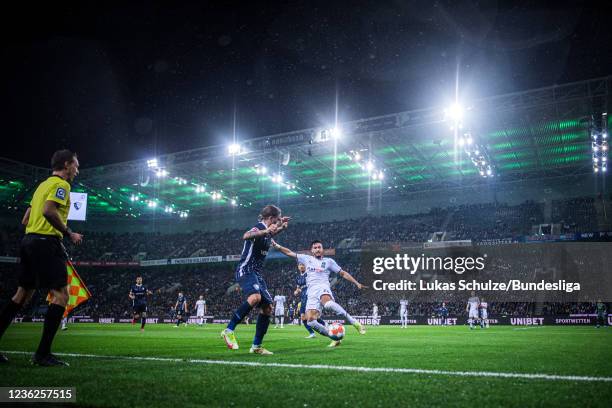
pixel 239 314
pixel 143 321
pixel 263 321
pixel 308 327
pixel 54 316
pixel 7 315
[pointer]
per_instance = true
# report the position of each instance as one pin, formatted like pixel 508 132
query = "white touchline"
pixel 536 376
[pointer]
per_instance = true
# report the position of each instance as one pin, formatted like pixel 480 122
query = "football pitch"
pixel 117 365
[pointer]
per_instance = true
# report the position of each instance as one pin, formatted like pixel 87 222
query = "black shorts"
pixel 140 308
pixel 43 262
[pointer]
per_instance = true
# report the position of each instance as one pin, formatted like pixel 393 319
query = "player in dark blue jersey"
pixel 302 290
pixel 443 311
pixel 181 309
pixel 138 294
pixel 249 271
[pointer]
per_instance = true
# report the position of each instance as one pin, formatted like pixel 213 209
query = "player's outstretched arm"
pixel 283 250
pixel 350 278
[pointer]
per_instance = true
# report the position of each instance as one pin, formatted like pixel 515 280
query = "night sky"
pixel 123 83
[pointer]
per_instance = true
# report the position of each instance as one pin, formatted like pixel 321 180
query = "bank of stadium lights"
pixel 161 173
pixel 152 163
pixel 183 214
pixel 378 175
pixel 477 155
pixel 215 195
pixel 151 204
pixel 200 189
pixel 599 145
pixel 234 149
pixel 133 198
pixel 181 181
pixel 277 178
pixel 234 202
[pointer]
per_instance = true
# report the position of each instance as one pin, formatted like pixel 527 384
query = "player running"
pixel 320 295
pixel 472 309
pixel 181 309
pixel 484 314
pixel 257 242
pixel 201 310
pixel 279 310
pixel 138 293
pixel 404 313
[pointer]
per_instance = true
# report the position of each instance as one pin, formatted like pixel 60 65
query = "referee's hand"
pixel 76 238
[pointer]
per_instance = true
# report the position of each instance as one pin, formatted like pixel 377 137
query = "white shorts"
pixel 200 313
pixel 279 312
pixel 314 297
pixel 473 314
pixel 484 314
pixel 404 313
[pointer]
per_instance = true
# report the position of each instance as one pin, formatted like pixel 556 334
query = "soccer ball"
pixel 337 330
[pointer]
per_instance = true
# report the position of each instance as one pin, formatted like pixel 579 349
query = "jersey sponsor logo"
pixel 60 193
pixel 256 286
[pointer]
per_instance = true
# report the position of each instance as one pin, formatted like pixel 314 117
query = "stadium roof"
pixel 534 134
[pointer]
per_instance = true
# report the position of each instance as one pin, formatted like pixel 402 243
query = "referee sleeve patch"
pixel 60 193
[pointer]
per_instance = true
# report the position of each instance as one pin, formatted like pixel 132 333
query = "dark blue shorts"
pixel 140 307
pixel 253 283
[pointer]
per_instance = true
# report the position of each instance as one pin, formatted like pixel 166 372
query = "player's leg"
pixel 53 318
pixel 330 305
pixel 313 317
pixel 143 319
pixel 21 297
pixel 263 321
pixel 304 321
pixel 250 287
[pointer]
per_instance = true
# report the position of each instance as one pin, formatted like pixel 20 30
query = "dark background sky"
pixel 117 83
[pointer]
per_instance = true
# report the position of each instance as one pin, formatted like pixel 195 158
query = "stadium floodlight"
pixel 369 166
pixel 133 198
pixel 461 141
pixel 152 163
pixel 161 173
pixel 277 178
pixel 454 112
pixel 336 132
pixel 357 156
pixel 489 172
pixel 151 204
pixel 234 202
pixel 234 149
pixel 381 175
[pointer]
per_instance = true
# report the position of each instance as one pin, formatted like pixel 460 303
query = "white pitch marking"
pixel 535 376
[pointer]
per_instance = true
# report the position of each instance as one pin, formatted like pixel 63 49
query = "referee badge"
pixel 60 193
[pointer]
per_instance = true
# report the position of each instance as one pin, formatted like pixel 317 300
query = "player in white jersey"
pixel 374 311
pixel 484 314
pixel 472 309
pixel 279 311
pixel 201 310
pixel 404 313
pixel 320 296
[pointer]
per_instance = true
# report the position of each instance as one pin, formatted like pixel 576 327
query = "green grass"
pixel 583 351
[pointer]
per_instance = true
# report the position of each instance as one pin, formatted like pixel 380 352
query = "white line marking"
pixel 537 376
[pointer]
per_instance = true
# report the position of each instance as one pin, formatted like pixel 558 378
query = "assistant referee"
pixel 43 257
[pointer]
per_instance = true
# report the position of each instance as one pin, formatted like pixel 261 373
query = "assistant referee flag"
pixel 77 291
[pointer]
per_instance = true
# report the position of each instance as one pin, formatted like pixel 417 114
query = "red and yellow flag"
pixel 77 291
